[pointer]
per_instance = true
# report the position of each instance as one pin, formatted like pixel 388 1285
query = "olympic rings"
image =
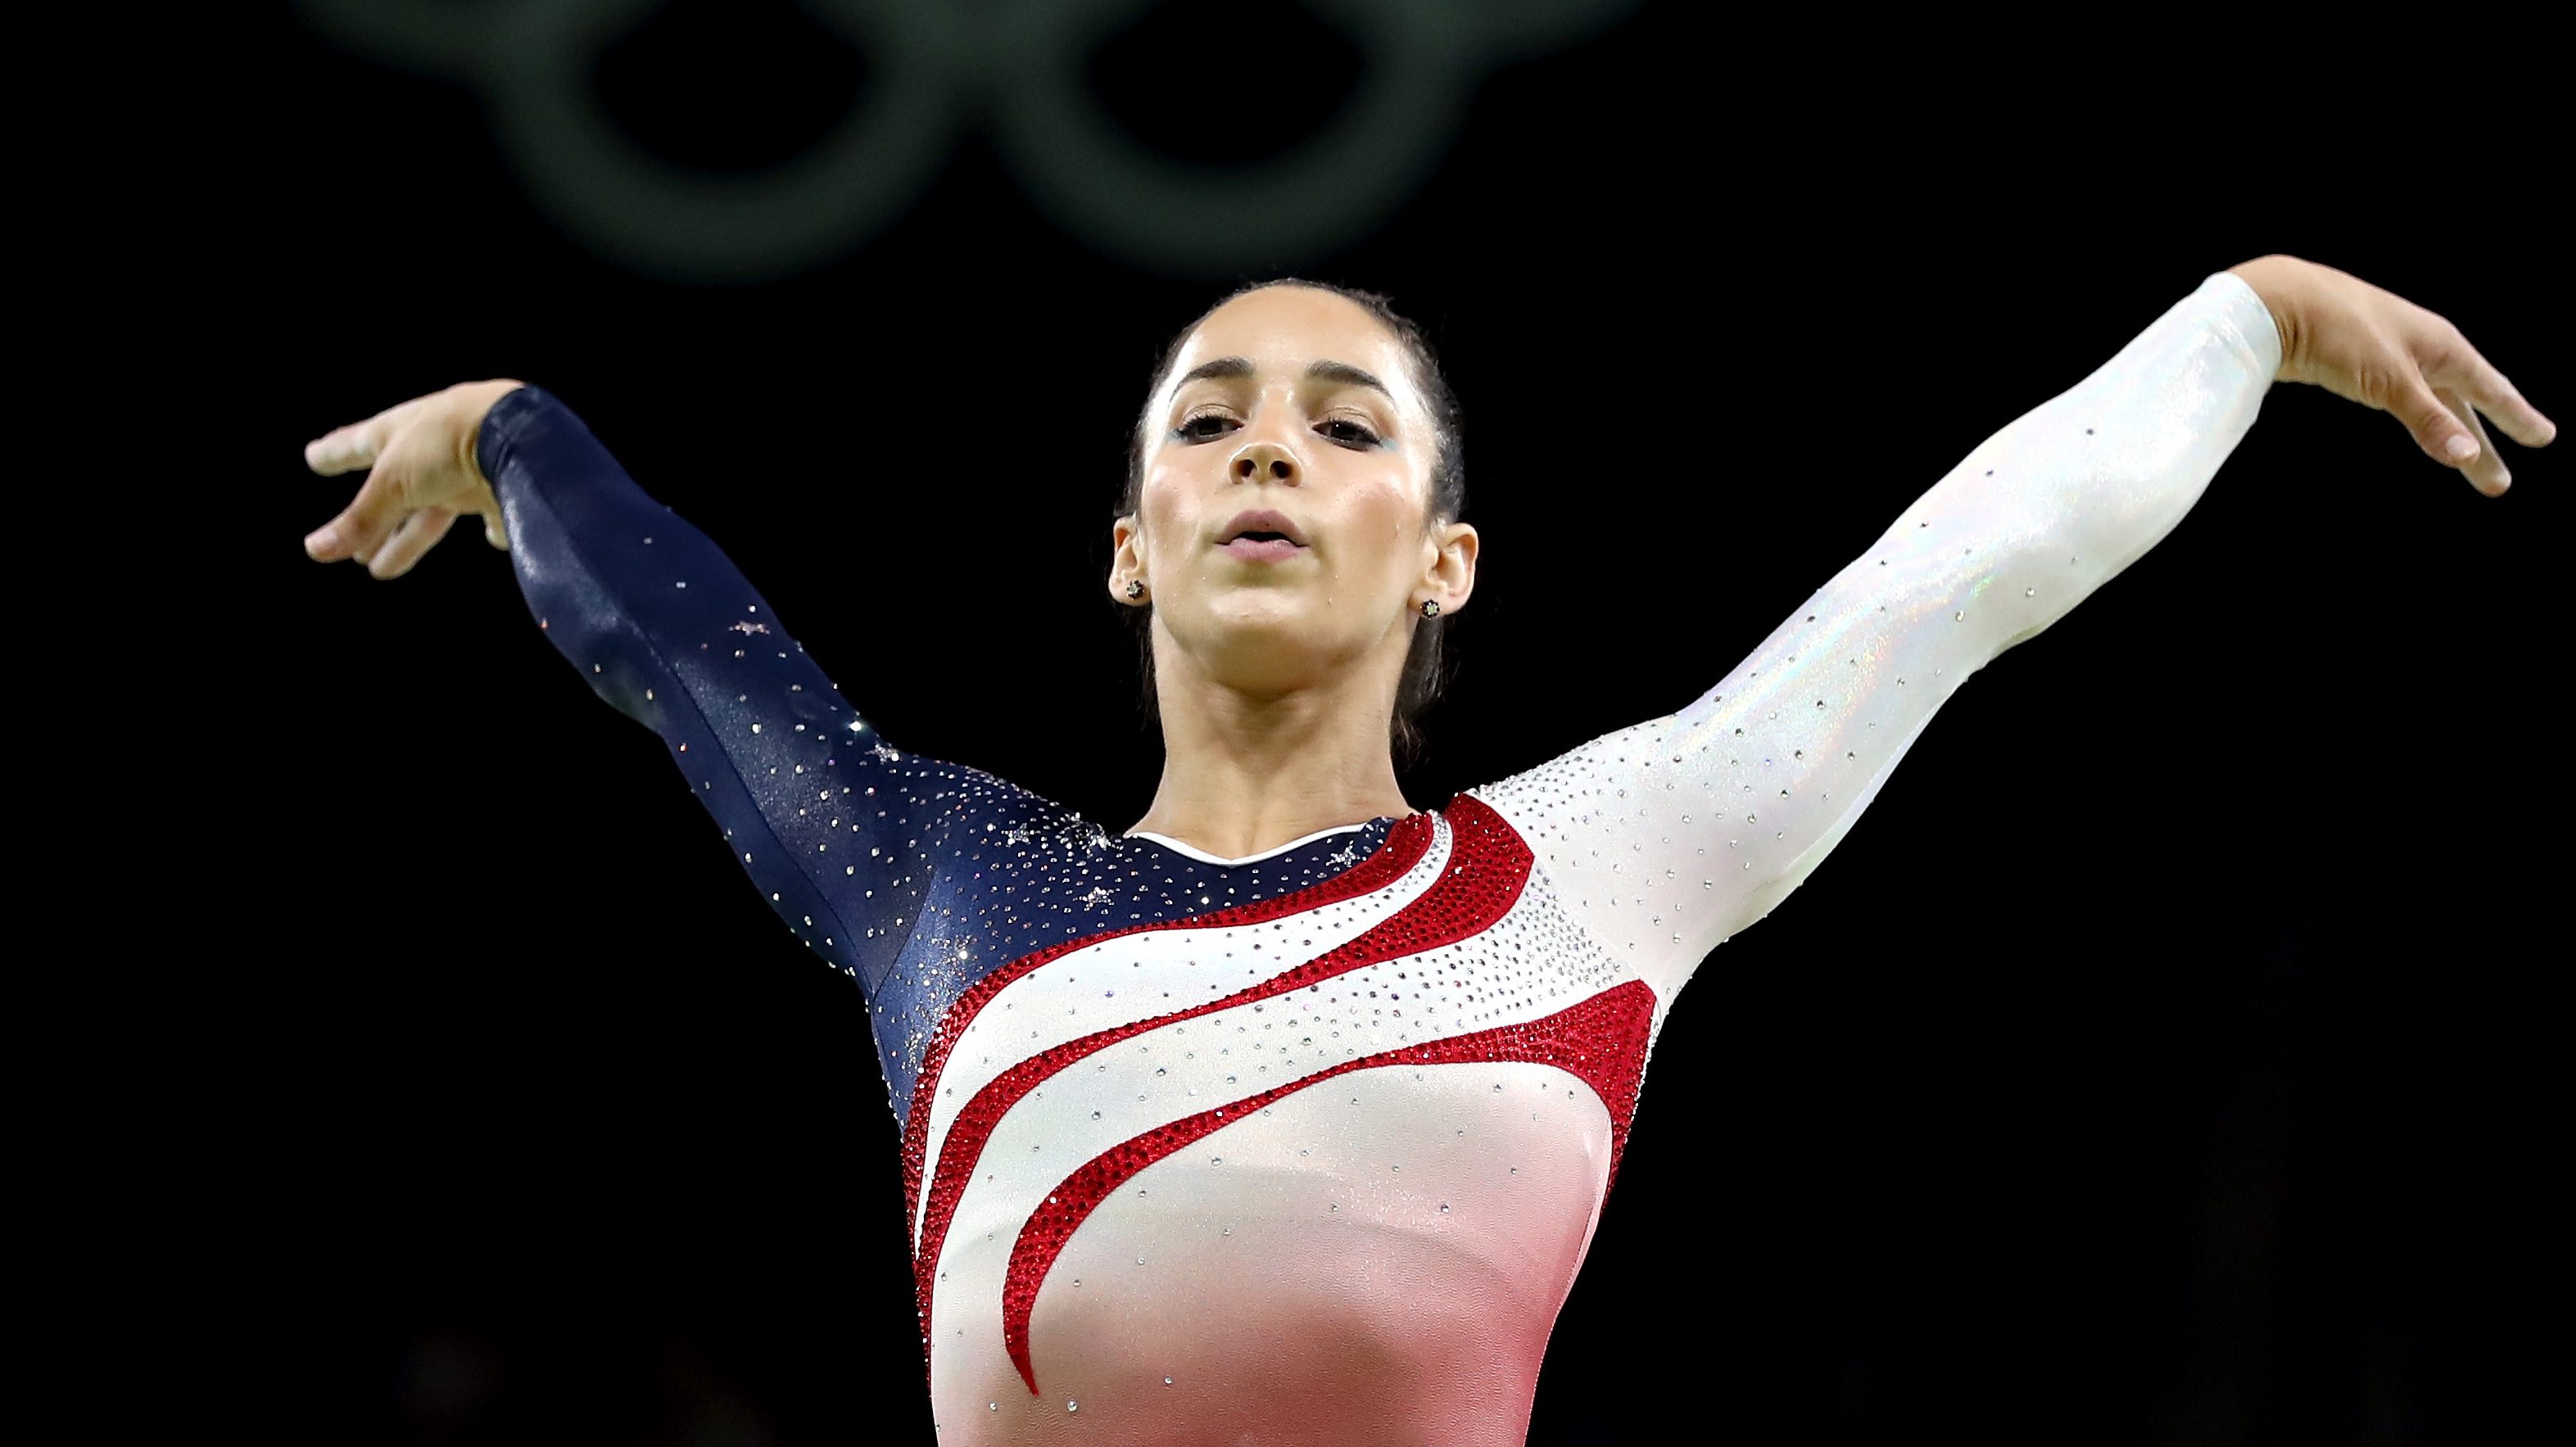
pixel 1015 63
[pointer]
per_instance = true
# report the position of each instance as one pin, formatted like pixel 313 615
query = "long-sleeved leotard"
pixel 1311 1144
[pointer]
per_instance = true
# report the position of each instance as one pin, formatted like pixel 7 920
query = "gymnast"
pixel 1285 1116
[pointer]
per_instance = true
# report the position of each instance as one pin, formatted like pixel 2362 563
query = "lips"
pixel 1259 548
pixel 1262 527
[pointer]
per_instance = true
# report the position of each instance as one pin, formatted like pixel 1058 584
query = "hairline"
pixel 1405 349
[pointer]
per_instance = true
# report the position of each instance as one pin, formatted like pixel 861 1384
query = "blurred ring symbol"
pixel 1014 65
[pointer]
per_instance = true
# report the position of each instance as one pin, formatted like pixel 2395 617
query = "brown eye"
pixel 1349 433
pixel 1206 427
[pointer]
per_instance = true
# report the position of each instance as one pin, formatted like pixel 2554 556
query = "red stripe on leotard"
pixel 1406 840
pixel 1488 864
pixel 1601 1041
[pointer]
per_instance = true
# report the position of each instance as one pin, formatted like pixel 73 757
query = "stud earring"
pixel 1135 587
pixel 1430 607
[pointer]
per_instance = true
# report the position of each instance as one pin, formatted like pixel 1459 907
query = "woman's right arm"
pixel 839 830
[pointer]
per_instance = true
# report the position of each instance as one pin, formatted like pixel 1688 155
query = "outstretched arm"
pixel 1666 838
pixel 1795 741
pixel 839 830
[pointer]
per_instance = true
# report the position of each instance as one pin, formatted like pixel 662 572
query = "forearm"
pixel 660 624
pixel 2025 527
pixel 607 570
pixel 2062 499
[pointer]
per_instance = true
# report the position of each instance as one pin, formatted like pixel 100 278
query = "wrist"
pixel 474 403
pixel 2275 279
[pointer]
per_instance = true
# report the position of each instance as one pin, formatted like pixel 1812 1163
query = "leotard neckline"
pixel 1204 857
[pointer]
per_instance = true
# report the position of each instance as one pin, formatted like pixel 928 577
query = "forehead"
pixel 1281 330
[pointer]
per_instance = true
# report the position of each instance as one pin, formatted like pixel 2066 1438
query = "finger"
pixel 2464 370
pixel 495 530
pixel 2436 430
pixel 370 518
pixel 343 449
pixel 2487 473
pixel 346 449
pixel 419 533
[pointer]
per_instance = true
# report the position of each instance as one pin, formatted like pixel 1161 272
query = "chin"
pixel 1271 638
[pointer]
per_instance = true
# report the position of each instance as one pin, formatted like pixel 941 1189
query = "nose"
pixel 1265 462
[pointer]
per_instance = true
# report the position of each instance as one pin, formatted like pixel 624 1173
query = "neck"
pixel 1244 774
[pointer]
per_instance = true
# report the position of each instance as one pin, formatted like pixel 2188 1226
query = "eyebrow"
pixel 1232 368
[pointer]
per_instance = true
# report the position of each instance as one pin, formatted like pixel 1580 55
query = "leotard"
pixel 1309 1145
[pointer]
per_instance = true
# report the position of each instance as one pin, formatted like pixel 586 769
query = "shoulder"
pixel 1578 783
pixel 983 800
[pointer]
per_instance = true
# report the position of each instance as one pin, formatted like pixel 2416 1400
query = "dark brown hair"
pixel 1423 674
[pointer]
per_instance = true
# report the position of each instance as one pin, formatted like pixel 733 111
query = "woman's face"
pixel 1280 526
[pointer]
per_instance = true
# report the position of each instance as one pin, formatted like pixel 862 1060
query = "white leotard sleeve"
pixel 1665 838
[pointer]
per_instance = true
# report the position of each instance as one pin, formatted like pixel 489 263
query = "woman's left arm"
pixel 1668 837
pixel 2365 345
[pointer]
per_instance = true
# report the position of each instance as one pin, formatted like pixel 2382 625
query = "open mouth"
pixel 1262 545
pixel 1261 533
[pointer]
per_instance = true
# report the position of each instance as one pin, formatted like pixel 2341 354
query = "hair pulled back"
pixel 1420 683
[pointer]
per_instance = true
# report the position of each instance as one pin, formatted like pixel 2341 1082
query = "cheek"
pixel 1162 507
pixel 1380 517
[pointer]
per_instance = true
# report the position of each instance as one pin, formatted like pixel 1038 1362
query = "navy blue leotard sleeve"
pixel 847 837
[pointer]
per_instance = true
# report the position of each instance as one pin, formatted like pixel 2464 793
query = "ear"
pixel 1126 560
pixel 1451 572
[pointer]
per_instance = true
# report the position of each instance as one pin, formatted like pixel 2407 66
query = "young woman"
pixel 1286 1114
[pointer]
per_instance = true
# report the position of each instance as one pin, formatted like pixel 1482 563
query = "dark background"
pixel 2160 1062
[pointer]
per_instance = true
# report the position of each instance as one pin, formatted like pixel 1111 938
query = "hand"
pixel 422 477
pixel 2367 346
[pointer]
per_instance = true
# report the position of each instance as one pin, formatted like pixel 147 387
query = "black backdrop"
pixel 2157 1063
